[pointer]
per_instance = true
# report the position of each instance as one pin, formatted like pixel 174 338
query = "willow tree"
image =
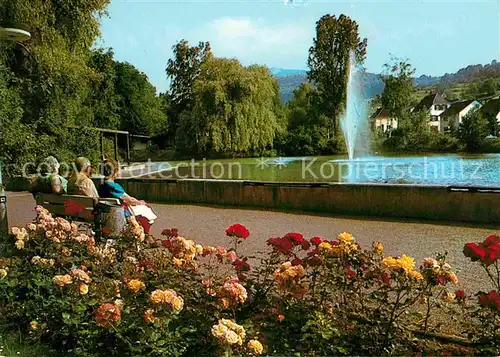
pixel 336 38
pixel 234 110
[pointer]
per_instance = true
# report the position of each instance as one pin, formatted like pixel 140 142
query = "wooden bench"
pixel 92 209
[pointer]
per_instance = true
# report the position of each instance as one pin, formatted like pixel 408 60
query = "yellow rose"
pixel 448 297
pixel 169 295
pixel 199 249
pixel 19 244
pixel 415 274
pixel 178 262
pixel 149 316
pixel 84 289
pixel 345 237
pixel 325 246
pixel 378 247
pixel 33 325
pixel 3 273
pixel 407 263
pixel 391 263
pixel 119 303
pixel 157 296
pixel 135 286
pixel 255 347
pixel 231 337
pixel 177 304
pixel 62 280
pixel 219 330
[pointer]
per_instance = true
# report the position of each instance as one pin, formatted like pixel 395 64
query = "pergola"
pixel 114 133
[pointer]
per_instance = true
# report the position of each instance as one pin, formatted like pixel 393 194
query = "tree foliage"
pixel 183 70
pixel 473 130
pixel 307 127
pixel 58 81
pixel 140 108
pixel 235 109
pixel 329 58
pixel 397 94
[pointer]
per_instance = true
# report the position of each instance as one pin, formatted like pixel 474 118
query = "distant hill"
pixel 290 79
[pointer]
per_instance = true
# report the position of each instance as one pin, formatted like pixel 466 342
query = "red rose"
pixel 460 294
pixel 305 245
pixel 294 237
pixel 241 265
pixel 314 261
pixel 144 222
pixel 349 272
pixel 492 240
pixel 107 314
pixel 173 233
pixel 474 252
pixel 316 241
pixel 313 252
pixel 296 262
pixel 166 243
pixel 146 264
pixel 385 278
pixel 237 230
pixel 492 254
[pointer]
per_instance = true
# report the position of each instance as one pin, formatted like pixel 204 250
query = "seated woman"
pixel 111 189
pixel 49 180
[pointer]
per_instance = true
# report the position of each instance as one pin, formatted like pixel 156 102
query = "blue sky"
pixel 436 36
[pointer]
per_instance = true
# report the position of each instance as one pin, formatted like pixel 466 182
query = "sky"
pixel 436 36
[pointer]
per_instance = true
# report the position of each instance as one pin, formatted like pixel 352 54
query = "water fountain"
pixel 354 121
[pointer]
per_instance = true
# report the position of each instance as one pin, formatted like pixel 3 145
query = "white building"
pixel 382 122
pixel 455 113
pixel 435 105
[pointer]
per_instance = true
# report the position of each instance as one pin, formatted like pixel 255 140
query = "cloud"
pixel 249 39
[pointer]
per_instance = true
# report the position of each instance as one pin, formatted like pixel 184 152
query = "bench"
pixel 90 208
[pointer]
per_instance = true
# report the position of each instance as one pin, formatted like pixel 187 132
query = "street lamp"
pixel 16 35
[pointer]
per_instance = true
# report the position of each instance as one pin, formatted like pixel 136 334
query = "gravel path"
pixel 207 224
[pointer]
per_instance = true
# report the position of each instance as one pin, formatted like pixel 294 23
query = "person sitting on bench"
pixel 49 180
pixel 80 182
pixel 110 189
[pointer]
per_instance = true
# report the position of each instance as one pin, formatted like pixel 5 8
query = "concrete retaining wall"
pixel 380 200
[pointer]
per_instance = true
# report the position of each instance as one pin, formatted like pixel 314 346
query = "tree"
pixel 140 109
pixel 329 58
pixel 307 127
pixel 103 99
pixel 183 70
pixel 473 130
pixel 397 94
pixel 234 110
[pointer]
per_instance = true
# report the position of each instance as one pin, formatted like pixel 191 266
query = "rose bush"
pixel 303 297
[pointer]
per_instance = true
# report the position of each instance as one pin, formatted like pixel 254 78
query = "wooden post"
pixel 101 137
pixel 116 146
pixel 128 148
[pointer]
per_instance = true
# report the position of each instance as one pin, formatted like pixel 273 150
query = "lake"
pixel 447 169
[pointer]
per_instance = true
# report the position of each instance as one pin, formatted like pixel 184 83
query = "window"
pixel 434 118
pixel 437 107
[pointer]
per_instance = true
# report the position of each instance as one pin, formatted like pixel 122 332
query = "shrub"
pixel 304 297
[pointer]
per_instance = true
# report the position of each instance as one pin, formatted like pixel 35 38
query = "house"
pixel 491 110
pixel 382 122
pixel 453 116
pixel 435 105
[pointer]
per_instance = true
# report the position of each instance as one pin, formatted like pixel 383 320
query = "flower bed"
pixel 305 297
